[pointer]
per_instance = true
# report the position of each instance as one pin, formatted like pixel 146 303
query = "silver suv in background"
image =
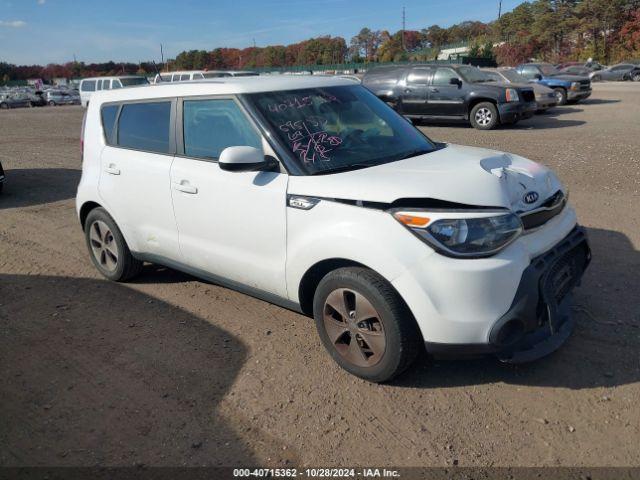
pixel 545 97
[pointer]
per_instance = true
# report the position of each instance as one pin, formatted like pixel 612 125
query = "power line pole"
pixel 161 55
pixel 404 25
pixel 499 9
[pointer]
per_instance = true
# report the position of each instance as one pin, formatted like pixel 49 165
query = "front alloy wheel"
pixel 364 324
pixel 354 327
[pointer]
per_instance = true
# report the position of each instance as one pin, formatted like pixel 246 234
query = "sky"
pixel 53 31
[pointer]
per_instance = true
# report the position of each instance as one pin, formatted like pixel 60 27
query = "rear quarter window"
pixel 145 126
pixel 108 115
pixel 88 86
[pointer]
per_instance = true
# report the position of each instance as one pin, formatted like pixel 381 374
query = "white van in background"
pixel 187 75
pixel 90 85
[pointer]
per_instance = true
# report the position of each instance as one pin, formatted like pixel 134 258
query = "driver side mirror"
pixel 455 81
pixel 246 159
pixel 537 77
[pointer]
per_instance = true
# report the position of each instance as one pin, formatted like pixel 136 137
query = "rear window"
pixel 145 126
pixel 88 86
pixel 108 114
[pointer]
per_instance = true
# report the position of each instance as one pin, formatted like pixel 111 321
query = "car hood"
pixel 455 173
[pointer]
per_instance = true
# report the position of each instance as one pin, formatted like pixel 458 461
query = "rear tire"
pixel 375 337
pixel 484 116
pixel 52 103
pixel 561 96
pixel 107 247
pixel 635 77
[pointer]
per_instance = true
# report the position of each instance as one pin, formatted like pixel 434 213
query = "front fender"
pixel 333 230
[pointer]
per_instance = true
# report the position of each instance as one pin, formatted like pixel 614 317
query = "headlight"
pixel 463 237
pixel 512 95
pixel 575 85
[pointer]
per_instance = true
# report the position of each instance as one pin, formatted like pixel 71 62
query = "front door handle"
pixel 433 89
pixel 112 169
pixel 185 187
pixel 407 90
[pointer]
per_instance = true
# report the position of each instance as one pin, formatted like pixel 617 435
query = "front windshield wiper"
pixel 415 153
pixel 344 168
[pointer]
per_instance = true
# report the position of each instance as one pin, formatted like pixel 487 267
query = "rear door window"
pixel 185 77
pixel 210 126
pixel 419 76
pixel 145 126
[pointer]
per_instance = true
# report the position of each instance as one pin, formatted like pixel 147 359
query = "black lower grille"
pixel 565 273
pixel 528 95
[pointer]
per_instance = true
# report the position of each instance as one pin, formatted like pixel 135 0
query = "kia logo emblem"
pixel 530 197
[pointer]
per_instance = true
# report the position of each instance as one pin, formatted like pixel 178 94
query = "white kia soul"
pixel 313 194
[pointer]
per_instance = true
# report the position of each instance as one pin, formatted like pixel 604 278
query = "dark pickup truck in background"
pixel 451 92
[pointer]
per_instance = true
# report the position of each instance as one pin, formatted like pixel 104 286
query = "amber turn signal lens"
pixel 412 220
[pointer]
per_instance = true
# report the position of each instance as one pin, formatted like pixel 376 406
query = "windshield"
pixel 339 128
pixel 548 69
pixel 127 82
pixel 513 76
pixel 495 76
pixel 474 75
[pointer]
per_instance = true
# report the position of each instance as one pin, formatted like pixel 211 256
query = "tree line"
pixel 551 30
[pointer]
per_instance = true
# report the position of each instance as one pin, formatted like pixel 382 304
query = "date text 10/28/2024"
pixel 316 473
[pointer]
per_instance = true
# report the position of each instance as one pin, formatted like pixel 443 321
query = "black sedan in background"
pixel 1 177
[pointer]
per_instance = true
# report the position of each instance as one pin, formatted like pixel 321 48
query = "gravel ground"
pixel 170 370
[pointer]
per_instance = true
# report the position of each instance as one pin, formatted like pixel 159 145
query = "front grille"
pixel 528 95
pixel 541 215
pixel 585 84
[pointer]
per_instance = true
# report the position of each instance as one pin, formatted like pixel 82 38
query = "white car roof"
pixel 218 86
pixel 112 77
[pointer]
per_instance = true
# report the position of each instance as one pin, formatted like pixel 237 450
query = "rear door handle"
pixel 184 187
pixel 433 89
pixel 112 169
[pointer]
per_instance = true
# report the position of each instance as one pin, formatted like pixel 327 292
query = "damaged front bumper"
pixel 538 321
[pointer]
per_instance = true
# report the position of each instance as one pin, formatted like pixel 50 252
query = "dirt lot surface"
pixel 170 370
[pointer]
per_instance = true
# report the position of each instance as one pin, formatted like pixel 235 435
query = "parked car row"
pixel 485 98
pixel 36 98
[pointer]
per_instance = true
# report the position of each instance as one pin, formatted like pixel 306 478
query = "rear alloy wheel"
pixel 109 251
pixel 561 96
pixel 52 103
pixel 484 116
pixel 364 324
pixel 636 77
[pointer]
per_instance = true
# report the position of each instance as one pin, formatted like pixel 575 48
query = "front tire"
pixel 484 116
pixel 364 324
pixel 108 249
pixel 635 77
pixel 561 96
pixel 596 78
pixel 52 103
